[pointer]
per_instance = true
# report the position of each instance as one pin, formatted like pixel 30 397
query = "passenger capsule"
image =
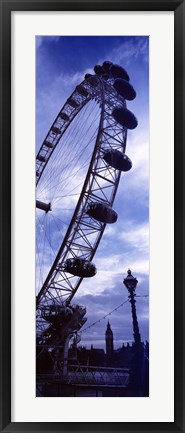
pixel 118 160
pixel 43 206
pixel 56 313
pixel 107 65
pixel 93 80
pixel 41 158
pixel 119 72
pixel 56 130
pixel 99 70
pixel 72 102
pixel 88 76
pixel 125 118
pixel 48 144
pixel 64 116
pixel 102 212
pixel 125 89
pixel 81 89
pixel 80 267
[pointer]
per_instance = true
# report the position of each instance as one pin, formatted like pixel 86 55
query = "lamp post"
pixel 137 380
pixel 130 282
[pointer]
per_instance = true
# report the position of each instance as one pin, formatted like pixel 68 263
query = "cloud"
pixel 130 51
pixel 136 236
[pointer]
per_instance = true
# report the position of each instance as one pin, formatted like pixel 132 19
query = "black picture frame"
pixel 6 7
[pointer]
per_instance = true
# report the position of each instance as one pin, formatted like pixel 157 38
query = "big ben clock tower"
pixel 109 344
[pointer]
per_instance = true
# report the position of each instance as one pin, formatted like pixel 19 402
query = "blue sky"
pixel 61 65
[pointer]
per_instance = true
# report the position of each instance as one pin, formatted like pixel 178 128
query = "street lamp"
pixel 130 282
pixel 139 376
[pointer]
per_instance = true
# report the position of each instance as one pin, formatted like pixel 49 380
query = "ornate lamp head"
pixel 130 282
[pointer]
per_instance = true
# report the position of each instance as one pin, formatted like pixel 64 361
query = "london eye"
pixel 78 168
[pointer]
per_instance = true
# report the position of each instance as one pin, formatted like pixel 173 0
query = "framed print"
pixel 93 92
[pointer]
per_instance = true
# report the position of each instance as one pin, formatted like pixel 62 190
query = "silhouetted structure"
pixel 138 364
pixel 130 282
pixel 134 357
pixel 109 344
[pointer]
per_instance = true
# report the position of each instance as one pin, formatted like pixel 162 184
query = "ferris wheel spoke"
pixel 63 155
pixel 71 174
pixel 59 219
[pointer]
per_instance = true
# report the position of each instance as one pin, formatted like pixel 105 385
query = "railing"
pixel 104 376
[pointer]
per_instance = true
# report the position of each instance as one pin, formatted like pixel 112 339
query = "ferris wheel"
pixel 78 169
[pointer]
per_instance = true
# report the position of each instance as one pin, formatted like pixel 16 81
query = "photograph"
pixel 92 216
